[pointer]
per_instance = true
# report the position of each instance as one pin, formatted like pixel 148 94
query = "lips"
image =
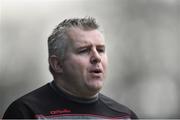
pixel 96 71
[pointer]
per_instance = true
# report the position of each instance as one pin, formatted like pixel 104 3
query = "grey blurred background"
pixel 143 44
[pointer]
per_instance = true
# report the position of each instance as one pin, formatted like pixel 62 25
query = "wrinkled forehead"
pixel 80 36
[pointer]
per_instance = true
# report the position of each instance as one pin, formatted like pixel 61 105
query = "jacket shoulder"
pixel 21 107
pixel 113 105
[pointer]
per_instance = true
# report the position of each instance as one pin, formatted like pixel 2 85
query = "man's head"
pixel 77 57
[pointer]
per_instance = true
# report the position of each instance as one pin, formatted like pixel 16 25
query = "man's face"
pixel 84 67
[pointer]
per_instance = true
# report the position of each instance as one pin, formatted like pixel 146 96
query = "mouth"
pixel 96 71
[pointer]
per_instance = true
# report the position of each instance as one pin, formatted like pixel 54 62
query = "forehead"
pixel 81 37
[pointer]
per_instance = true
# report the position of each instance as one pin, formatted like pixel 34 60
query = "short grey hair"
pixel 58 39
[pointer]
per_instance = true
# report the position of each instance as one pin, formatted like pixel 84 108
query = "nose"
pixel 95 57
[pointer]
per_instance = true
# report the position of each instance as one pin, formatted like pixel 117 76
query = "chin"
pixel 96 87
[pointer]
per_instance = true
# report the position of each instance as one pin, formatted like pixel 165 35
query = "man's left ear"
pixel 56 64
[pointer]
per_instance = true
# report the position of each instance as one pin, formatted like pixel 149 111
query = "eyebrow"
pixel 87 46
pixel 101 46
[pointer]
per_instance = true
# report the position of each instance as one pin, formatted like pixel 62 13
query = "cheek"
pixel 82 65
pixel 105 62
pixel 77 64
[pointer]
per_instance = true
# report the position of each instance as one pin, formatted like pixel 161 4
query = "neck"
pixel 67 96
pixel 73 92
pixel 80 96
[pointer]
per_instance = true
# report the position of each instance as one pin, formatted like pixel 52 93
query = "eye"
pixel 83 50
pixel 101 50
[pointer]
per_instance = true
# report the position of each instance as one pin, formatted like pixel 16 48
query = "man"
pixel 78 63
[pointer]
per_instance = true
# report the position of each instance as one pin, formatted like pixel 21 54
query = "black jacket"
pixel 50 102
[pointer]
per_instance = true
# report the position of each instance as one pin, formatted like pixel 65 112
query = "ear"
pixel 55 63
